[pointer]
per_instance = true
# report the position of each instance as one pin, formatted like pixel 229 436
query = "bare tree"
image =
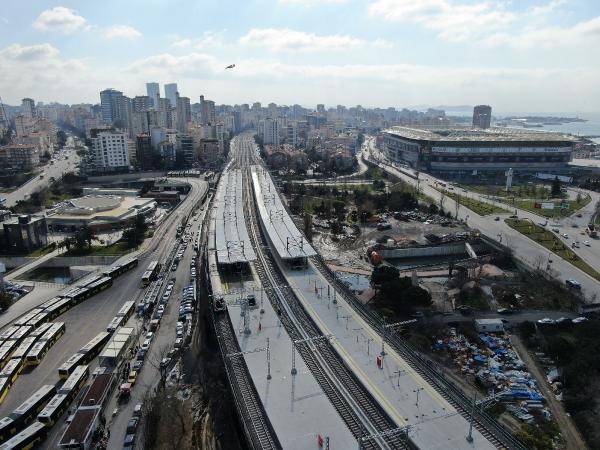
pixel 156 359
pixel 456 206
pixel 442 200
pixel 538 261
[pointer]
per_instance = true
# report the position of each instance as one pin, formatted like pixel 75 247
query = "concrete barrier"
pixel 68 261
pixel 458 248
pixel 12 262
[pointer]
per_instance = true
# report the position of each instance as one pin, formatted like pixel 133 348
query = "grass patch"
pixel 43 251
pixel 477 206
pixel 520 191
pixel 116 249
pixel 525 196
pixel 529 205
pixel 549 240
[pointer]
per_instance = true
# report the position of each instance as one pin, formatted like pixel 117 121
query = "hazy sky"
pixel 518 56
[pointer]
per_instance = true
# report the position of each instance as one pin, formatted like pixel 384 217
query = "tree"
pixel 556 190
pixel 61 137
pixel 135 235
pixel 400 295
pixel 442 201
pixel 384 274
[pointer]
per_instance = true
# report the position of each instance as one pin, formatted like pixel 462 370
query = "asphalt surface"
pixel 523 248
pixel 87 319
pixel 67 161
pixel 513 318
pixel 162 341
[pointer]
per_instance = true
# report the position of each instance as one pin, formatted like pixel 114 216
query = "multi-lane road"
pixel 87 319
pixel 65 160
pixel 523 248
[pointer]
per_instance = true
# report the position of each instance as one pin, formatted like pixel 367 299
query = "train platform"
pixel 282 233
pixel 404 394
pixel 231 235
pixel 297 407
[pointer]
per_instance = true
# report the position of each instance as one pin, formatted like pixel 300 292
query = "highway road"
pixel 87 319
pixel 523 248
pixel 66 160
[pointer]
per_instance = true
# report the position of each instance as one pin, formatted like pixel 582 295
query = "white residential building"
pixel 110 151
pixel 269 131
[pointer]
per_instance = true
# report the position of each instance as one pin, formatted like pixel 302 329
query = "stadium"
pixel 469 151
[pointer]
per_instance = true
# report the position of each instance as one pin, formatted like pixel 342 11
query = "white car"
pixel 579 319
pixel 546 320
pixel 565 235
pixel 586 243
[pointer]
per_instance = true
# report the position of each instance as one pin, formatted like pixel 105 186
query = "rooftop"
pixel 496 134
pixel 109 208
pixel 231 235
pixel 278 224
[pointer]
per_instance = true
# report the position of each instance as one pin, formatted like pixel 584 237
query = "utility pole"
pixel 417 390
pixel 470 434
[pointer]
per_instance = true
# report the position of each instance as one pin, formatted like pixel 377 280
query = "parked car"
pixel 129 441
pixel 137 365
pixel 132 425
pixel 178 343
pixel 165 362
pixel 137 410
pixel 132 378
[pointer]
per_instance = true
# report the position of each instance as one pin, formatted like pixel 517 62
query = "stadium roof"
pixel 495 134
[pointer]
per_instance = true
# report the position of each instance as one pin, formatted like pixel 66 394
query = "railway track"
pixel 361 413
pixel 487 425
pixel 257 427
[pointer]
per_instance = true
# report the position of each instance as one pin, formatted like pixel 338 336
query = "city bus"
pixel 75 382
pixel 20 334
pixel 28 410
pixel 24 348
pixel 6 351
pixel 120 269
pixel 37 352
pixel 69 366
pixel 41 330
pixel 27 317
pixel 8 428
pixel 48 303
pixel 29 438
pixel 126 310
pixel 54 333
pixel 54 409
pixel 7 333
pixel 38 319
pixel 98 285
pixel 92 348
pixel 5 385
pixel 12 369
pixel 58 308
pixel 77 295
pixel 151 273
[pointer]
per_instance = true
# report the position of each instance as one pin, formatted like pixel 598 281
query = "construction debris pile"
pixel 497 367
